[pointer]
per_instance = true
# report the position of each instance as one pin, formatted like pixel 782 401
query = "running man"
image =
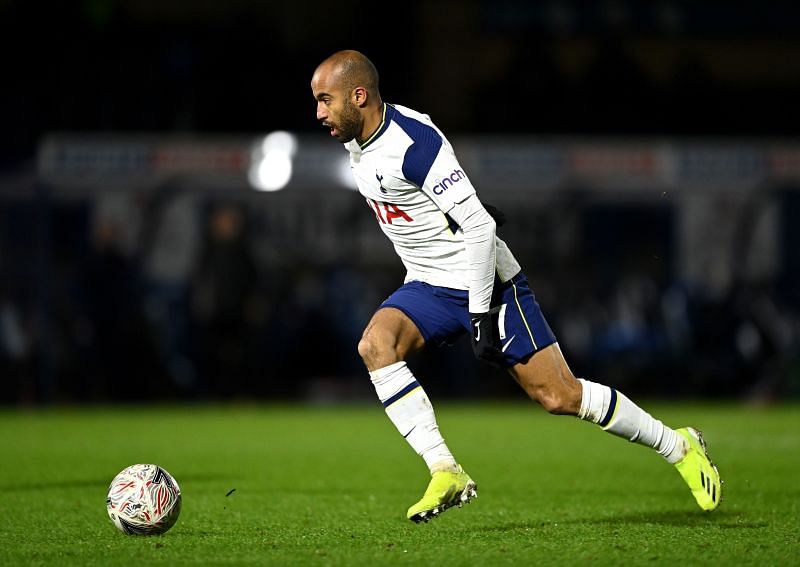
pixel 461 278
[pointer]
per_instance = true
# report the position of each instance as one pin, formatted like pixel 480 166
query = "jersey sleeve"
pixel 446 182
pixel 481 249
pixel 430 164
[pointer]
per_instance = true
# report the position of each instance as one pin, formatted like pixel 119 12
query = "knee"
pixel 389 337
pixel 366 349
pixel 376 351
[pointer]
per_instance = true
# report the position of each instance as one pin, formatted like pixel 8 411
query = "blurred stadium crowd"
pixel 167 291
pixel 182 294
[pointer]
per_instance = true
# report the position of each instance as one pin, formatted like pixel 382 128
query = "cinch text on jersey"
pixel 442 185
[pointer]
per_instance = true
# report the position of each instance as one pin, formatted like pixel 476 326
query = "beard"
pixel 348 125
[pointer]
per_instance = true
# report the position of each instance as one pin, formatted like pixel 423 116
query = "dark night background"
pixel 81 314
pixel 560 67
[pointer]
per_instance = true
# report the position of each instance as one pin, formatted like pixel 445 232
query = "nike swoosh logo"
pixel 505 346
pixel 409 433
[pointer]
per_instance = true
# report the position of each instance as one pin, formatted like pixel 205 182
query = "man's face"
pixel 335 109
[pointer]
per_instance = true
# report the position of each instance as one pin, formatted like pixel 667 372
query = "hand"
pixel 484 341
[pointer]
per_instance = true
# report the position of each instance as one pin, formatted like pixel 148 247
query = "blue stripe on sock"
pixel 611 407
pixel 406 389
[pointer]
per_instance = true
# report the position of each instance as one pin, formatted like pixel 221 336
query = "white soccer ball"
pixel 144 500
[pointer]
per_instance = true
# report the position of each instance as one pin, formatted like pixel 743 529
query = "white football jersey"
pixel 410 177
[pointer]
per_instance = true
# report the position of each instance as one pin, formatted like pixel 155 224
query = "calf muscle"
pixel 547 379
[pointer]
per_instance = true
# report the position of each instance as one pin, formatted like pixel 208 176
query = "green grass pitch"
pixel 330 486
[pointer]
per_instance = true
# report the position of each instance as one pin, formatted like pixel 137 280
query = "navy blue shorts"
pixel 442 315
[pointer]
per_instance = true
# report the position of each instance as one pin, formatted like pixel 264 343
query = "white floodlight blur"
pixel 271 161
pixel 344 173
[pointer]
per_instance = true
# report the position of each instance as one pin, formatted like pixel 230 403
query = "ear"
pixel 360 96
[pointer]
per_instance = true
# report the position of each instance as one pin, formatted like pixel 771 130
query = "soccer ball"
pixel 144 500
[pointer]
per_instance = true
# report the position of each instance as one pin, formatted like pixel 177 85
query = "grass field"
pixel 330 486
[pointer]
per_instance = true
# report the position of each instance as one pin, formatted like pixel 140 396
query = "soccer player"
pixel 461 278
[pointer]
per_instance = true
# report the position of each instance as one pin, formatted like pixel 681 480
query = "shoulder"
pixel 419 127
pixel 426 142
pixel 407 112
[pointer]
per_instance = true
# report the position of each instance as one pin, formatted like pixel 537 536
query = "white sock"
pixel 410 410
pixel 615 413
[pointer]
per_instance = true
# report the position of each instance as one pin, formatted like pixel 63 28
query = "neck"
pixel 372 121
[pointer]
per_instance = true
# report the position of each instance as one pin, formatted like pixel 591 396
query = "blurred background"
pixel 175 225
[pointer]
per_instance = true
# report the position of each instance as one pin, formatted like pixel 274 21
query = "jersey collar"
pixel 385 119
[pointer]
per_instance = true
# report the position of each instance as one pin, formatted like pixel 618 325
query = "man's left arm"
pixel 431 165
pixel 478 228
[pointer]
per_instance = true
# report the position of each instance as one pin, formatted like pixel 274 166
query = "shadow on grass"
pixel 718 520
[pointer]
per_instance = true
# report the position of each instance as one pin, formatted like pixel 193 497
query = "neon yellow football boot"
pixel 698 471
pixel 445 490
